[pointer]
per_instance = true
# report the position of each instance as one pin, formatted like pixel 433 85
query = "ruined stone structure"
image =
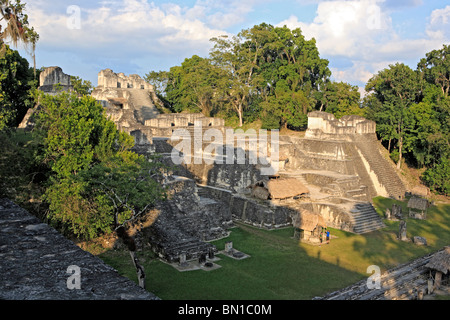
pixel 108 79
pixel 187 221
pixel 38 263
pixel 409 281
pixel 130 102
pixel 52 80
pixel 339 161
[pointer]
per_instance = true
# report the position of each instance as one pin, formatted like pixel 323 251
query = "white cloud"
pixel 344 27
pixel 356 73
pixel 439 24
pixel 362 31
pixel 128 28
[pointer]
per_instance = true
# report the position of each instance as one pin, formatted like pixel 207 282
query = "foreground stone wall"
pixel 35 259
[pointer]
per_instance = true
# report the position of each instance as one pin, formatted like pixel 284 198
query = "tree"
pixel 238 65
pixel 97 183
pixel 193 85
pixel 433 119
pixel 17 28
pixel 292 74
pixel 437 177
pixel 159 81
pixel 341 99
pixel 397 89
pixel 82 87
pixel 16 80
pixel 275 66
pixel 435 68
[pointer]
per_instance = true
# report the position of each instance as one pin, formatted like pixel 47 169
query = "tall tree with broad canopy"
pixel 397 89
pixel 275 64
pixel 192 86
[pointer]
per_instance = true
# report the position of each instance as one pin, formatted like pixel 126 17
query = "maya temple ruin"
pixel 325 179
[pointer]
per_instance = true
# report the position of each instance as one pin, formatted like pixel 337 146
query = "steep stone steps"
pixel 162 145
pixel 365 218
pixel 384 170
pixel 143 105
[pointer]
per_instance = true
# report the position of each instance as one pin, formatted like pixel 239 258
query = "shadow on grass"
pixel 278 269
pixel 384 249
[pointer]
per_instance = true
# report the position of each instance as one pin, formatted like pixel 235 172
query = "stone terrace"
pixel 34 261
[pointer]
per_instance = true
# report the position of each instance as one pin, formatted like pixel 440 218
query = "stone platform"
pixel 38 263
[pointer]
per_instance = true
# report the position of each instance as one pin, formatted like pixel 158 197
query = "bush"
pixel 437 178
pixel 270 121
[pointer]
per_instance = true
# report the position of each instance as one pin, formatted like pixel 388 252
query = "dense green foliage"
pixel 16 80
pixel 268 73
pixel 412 112
pixel 82 87
pixel 21 169
pixel 97 183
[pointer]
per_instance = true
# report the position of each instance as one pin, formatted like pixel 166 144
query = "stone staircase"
pixel 383 169
pixel 162 145
pixel 400 283
pixel 143 106
pixel 365 218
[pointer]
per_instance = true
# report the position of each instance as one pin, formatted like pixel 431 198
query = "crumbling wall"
pixel 109 79
pixel 52 78
pixel 187 221
pixel 323 124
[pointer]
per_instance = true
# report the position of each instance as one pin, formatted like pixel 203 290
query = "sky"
pixel 357 37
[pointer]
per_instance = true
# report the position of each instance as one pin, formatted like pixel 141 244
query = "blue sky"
pixel 358 37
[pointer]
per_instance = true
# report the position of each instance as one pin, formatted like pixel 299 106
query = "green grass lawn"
pixel 282 268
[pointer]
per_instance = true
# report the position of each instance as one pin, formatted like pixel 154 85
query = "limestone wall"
pixel 181 120
pixel 259 213
pixel 37 263
pixel 108 79
pixel 323 124
pixel 52 76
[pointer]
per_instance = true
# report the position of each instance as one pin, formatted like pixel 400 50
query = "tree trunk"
pixel 400 146
pixel 239 110
pixel 139 269
pixel 129 241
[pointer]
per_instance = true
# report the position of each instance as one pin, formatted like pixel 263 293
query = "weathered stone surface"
pixel 420 241
pixel 36 262
pixel 52 76
pixel 186 221
pixel 403 282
